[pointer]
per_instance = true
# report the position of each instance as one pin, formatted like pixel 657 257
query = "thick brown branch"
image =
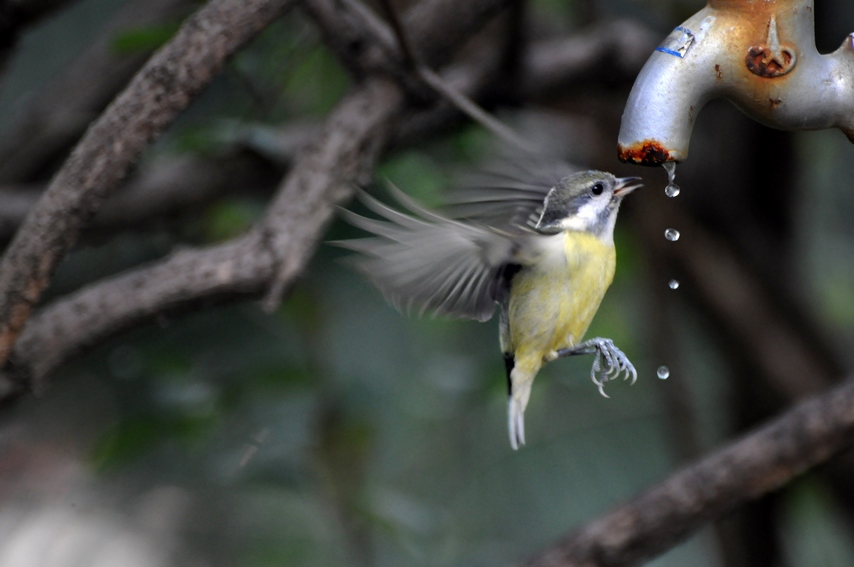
pixel 161 90
pixel 242 268
pixel 324 176
pixel 670 511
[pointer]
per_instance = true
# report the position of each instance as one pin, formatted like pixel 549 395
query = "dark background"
pixel 337 431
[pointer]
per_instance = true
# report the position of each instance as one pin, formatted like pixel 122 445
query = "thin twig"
pixel 403 42
pixel 463 103
pixel 473 110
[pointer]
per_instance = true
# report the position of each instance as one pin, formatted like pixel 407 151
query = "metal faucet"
pixel 760 55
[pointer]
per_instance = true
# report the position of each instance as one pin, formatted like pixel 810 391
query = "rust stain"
pixel 647 152
pixel 774 102
pixel 761 63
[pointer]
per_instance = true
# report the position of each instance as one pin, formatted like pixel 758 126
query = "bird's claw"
pixel 609 363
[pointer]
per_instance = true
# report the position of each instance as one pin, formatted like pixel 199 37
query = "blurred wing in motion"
pixel 428 262
pixel 509 194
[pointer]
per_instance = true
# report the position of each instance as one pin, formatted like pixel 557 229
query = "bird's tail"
pixel 521 376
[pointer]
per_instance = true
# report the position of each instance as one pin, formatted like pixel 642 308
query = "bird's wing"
pixel 426 262
pixel 507 195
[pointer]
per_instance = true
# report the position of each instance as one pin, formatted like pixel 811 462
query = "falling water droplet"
pixel 670 168
pixel 672 190
pixel 671 234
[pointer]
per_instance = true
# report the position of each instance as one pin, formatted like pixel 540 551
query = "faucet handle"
pixel 771 59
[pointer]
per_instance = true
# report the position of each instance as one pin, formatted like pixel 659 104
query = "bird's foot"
pixel 608 364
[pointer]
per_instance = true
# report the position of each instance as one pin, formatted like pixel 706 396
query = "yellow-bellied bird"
pixel 543 252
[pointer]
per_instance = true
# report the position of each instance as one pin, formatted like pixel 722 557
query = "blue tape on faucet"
pixel 678 42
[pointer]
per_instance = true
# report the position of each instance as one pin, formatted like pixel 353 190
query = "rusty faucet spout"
pixel 760 55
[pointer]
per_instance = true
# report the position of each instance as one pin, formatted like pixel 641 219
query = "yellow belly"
pixel 553 303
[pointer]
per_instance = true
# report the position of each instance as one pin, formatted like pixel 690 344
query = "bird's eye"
pixel 597 189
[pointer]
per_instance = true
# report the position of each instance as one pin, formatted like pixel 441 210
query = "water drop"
pixel 663 372
pixel 670 168
pixel 672 190
pixel 673 284
pixel 672 234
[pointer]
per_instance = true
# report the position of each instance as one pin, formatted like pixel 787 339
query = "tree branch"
pixel 670 511
pixel 457 25
pixel 158 93
pixel 345 152
pixel 187 278
pixel 354 136
pixel 163 189
pixel 240 268
pixel 170 182
pixel 400 57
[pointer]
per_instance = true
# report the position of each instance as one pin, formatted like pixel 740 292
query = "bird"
pixel 539 252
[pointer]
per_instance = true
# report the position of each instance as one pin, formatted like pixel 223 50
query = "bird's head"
pixel 586 202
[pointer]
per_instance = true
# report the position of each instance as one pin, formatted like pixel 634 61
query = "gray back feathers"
pixel 455 263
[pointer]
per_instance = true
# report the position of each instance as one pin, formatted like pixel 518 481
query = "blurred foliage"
pixel 144 39
pixel 228 219
pixel 815 528
pixel 337 431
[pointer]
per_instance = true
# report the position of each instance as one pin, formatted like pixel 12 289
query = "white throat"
pixel 587 219
pixel 584 220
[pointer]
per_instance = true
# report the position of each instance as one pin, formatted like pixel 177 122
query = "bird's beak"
pixel 626 185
